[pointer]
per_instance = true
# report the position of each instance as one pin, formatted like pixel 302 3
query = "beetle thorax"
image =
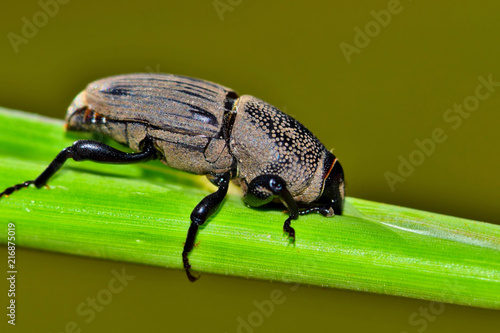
pixel 264 140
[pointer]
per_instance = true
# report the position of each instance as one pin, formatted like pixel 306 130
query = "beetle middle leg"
pixel 263 189
pixel 201 213
pixel 87 150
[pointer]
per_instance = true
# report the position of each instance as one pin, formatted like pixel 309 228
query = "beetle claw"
pixel 190 276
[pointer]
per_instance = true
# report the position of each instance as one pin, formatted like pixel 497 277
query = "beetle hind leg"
pixel 87 150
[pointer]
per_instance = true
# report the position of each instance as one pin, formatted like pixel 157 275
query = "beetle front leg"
pixel 263 189
pixel 201 213
pixel 87 150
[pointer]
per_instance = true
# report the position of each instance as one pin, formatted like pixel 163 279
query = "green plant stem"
pixel 140 213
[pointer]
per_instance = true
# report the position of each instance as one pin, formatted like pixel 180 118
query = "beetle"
pixel 206 129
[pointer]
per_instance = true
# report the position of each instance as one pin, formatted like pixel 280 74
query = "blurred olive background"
pixel 370 106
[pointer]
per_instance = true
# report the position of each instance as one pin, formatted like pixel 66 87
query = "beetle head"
pixel 333 186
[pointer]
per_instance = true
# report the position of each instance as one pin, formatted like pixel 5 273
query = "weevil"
pixel 206 129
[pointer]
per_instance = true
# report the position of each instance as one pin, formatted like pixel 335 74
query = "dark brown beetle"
pixel 205 128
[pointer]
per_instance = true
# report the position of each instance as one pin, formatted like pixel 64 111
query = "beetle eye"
pixel 333 190
pixel 275 185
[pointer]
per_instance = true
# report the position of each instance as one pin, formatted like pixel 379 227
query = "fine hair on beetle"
pixel 207 129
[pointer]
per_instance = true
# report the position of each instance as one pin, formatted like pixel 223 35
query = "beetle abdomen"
pixel 185 117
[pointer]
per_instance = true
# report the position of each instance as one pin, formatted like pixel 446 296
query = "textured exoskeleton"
pixel 205 128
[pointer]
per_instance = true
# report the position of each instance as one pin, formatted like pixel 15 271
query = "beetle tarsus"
pixel 9 190
pixel 289 230
pixel 187 267
pixel 323 210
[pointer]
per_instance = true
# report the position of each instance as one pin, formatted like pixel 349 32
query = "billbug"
pixel 206 129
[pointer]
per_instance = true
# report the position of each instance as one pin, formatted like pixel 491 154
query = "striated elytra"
pixel 207 129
